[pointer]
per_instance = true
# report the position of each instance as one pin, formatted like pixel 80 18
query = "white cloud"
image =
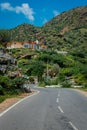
pixel 45 21
pixel 6 6
pixel 24 9
pixel 55 12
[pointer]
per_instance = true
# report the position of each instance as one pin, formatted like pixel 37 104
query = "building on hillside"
pixel 12 45
pixel 31 45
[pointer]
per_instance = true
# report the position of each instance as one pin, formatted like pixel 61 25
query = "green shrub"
pixel 1 90
pixel 61 77
pixel 54 81
pixel 18 82
pixel 42 84
pixel 31 79
pixel 13 92
pixel 85 85
pixel 67 72
pixel 79 79
pixel 48 81
pixel 2 98
pixel 5 82
pixel 36 68
pixel 66 84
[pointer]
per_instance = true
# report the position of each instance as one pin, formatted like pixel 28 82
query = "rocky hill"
pixel 65 32
pixel 68 20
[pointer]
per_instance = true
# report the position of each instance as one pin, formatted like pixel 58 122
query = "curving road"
pixel 51 109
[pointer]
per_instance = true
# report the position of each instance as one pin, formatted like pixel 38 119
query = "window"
pixel 35 46
pixel 26 45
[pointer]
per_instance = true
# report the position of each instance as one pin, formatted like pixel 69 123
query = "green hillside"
pixel 24 32
pixel 66 32
pixel 72 19
pixel 67 28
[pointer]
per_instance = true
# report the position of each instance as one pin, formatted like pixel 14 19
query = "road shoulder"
pixel 11 101
pixel 82 92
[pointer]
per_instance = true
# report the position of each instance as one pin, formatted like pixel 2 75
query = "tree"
pixel 36 68
pixel 4 37
pixel 54 70
pixel 45 57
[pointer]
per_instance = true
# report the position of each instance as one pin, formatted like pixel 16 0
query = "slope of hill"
pixel 65 32
pixel 66 26
pixel 71 19
pixel 24 32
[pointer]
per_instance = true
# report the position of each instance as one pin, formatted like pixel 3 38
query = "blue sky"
pixel 36 12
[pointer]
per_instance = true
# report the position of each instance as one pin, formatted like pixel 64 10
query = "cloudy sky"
pixel 36 12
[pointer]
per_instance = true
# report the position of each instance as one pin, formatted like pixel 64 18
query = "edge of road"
pixel 12 106
pixel 36 92
pixel 84 93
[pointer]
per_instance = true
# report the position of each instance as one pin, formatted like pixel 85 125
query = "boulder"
pixel 6 61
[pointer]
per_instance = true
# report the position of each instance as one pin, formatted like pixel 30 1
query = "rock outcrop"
pixel 7 62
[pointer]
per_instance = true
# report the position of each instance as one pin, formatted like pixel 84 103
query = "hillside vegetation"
pixel 67 29
pixel 66 32
pixel 24 32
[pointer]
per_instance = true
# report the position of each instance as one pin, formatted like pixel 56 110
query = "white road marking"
pixel 73 126
pixel 1 114
pixel 57 100
pixel 60 109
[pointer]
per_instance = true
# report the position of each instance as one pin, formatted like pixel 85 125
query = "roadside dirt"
pixel 10 101
pixel 82 92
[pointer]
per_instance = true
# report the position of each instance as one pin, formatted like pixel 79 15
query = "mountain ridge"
pixel 56 32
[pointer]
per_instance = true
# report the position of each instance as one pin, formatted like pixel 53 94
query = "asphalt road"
pixel 51 109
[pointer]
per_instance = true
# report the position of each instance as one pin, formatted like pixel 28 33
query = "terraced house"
pixel 36 45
